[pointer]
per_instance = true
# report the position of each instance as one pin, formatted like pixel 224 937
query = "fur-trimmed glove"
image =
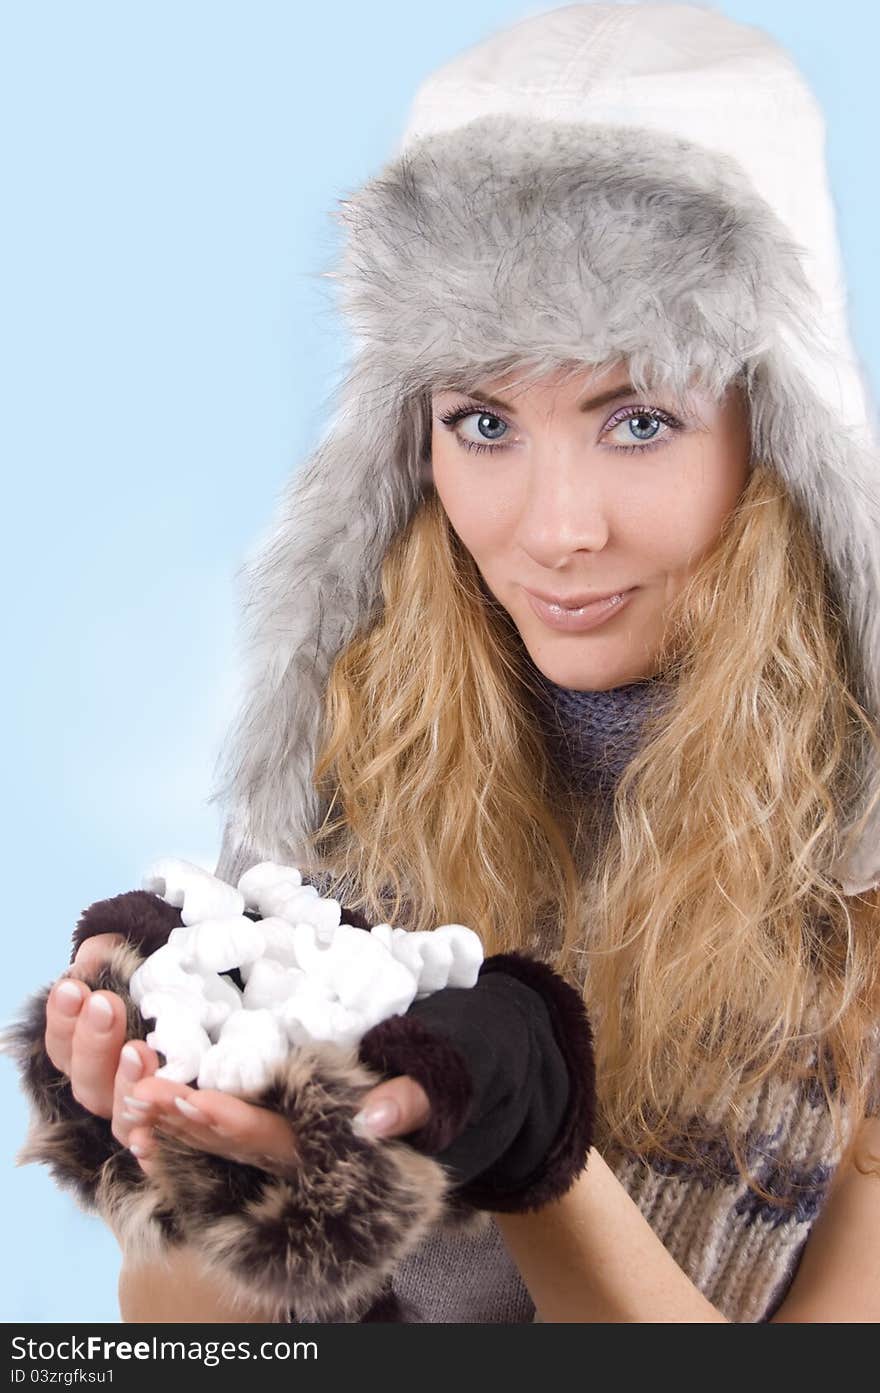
pixel 507 1066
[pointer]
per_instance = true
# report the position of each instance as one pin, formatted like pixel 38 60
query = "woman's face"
pixel 558 501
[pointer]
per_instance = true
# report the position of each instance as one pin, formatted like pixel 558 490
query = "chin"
pixel 579 671
pixel 573 672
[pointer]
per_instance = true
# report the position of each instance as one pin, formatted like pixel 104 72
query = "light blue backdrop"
pixel 168 349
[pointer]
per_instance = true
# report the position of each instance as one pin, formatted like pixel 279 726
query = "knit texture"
pixel 591 736
pixel 739 1250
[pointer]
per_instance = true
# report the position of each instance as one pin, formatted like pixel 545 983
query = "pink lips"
pixel 579 620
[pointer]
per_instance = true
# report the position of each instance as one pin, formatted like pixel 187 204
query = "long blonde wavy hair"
pixel 693 911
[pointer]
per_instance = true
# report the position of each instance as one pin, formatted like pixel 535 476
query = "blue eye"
pixel 489 423
pixel 646 418
pixel 452 418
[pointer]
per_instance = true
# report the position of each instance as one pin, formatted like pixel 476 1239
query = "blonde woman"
pixel 568 631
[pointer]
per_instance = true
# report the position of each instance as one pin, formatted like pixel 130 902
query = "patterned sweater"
pixel 739 1250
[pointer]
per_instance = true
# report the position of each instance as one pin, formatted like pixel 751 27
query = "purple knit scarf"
pixel 592 735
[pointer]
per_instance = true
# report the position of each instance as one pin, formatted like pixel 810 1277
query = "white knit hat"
pixel 595 183
pixel 692 72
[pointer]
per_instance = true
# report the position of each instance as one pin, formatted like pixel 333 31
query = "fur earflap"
pixel 506 243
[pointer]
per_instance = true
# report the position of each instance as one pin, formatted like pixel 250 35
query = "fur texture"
pixel 569 1154
pixel 324 1237
pixel 65 1136
pixel 402 1045
pixel 143 918
pixel 321 1240
pixel 640 245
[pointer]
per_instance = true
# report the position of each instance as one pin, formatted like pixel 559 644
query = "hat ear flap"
pixel 831 473
pixel 311 585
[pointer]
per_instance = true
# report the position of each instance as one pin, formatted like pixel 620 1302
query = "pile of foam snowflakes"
pixel 307 976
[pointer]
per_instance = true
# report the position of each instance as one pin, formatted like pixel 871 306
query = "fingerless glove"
pixel 507 1066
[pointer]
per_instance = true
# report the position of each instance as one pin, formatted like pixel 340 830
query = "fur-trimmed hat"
pixel 597 183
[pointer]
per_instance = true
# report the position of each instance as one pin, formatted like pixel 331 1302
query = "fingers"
pixel 67 997
pixel 227 1126
pixel 93 951
pixel 142 1145
pixel 393 1109
pixel 136 1061
pixel 85 1031
pixel 98 1037
pixel 209 1121
pixel 62 1011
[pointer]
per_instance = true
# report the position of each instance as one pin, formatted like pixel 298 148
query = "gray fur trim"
pixel 636 245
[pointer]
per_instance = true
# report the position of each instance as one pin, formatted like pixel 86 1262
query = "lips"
pixel 583 617
pixel 576 601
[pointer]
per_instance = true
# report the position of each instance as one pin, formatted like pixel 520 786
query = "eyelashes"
pixel 656 414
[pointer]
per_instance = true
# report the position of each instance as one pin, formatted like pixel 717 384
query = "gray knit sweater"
pixel 739 1250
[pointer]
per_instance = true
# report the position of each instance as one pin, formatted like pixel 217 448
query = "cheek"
pixel 474 496
pixel 681 517
pixel 714 487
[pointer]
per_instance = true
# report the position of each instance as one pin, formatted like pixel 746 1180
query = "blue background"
pixel 168 349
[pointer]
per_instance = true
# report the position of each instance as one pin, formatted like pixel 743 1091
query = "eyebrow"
pixel 626 389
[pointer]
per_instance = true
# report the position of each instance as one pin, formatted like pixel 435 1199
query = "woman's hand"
pixel 210 1120
pixel 85 1039
pixel 115 1080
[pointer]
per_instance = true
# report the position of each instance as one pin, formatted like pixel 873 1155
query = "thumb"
pixel 393 1109
pixel 93 951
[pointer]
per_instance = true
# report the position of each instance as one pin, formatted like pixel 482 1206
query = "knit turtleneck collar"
pixel 592 735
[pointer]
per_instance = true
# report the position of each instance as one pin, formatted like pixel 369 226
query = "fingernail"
pixel 130 1117
pixel 136 1150
pixel 130 1063
pixel 136 1103
pixel 69 998
pixel 377 1119
pixel 100 1012
pixel 188 1110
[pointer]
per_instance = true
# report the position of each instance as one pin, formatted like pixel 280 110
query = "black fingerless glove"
pixel 509 1071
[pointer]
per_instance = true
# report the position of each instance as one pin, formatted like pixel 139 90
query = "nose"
pixel 564 505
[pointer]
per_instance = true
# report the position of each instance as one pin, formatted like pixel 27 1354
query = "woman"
pixel 674 806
